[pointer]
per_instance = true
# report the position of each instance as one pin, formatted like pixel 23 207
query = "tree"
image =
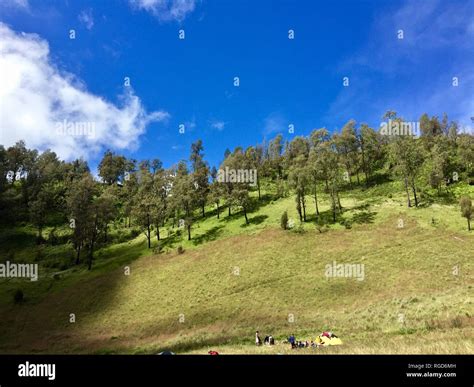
pixel 347 146
pixel 112 167
pixel 372 151
pixel 407 157
pixel 79 200
pixel 318 138
pixel 102 212
pixel 254 156
pixel 466 210
pixel 143 204
pixel 200 174
pixel 241 197
pixel 184 194
pixel 284 220
pixel 299 178
pixel 159 195
pixel 38 211
pixel 216 194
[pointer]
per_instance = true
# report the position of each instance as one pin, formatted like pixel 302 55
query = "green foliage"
pixel 284 220
pixel 466 210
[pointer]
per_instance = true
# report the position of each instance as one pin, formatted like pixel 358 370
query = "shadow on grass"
pixel 209 235
pixel 364 217
pixel 255 220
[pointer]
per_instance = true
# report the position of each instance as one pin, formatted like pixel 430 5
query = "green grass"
pixel 408 272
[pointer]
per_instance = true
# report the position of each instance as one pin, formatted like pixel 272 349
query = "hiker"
pixel 258 340
pixel 266 340
pixel 271 340
pixel 291 340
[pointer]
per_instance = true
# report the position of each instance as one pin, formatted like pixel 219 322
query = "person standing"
pixel 258 340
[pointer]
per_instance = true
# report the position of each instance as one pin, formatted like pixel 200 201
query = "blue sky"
pixel 190 81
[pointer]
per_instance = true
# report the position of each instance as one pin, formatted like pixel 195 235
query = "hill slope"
pixel 216 294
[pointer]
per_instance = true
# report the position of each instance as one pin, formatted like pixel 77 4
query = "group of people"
pixel 269 340
pixel 305 344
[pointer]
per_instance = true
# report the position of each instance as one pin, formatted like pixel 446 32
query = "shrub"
pixel 300 229
pixel 284 221
pixel 18 297
pixel 180 250
pixel 158 249
pixel 39 254
pixel 321 226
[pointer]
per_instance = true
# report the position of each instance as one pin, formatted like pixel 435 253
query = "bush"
pixel 300 229
pixel 180 250
pixel 158 249
pixel 321 226
pixel 39 254
pixel 347 224
pixel 18 297
pixel 284 221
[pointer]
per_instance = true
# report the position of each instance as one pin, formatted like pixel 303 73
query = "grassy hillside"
pixel 233 279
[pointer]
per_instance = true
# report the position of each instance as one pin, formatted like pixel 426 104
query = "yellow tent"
pixel 324 340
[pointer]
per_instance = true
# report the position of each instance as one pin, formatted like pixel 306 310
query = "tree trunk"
pixel 408 193
pixel 303 203
pixel 468 224
pixel 339 201
pixel 229 209
pixel 298 206
pixel 258 187
pixel 78 255
pixel 245 214
pixel 157 232
pixel 316 199
pixel 217 204
pixel 91 246
pixel 189 232
pixel 333 207
pixel 89 264
pixel 148 233
pixel 414 194
pixel 203 210
pixel 364 164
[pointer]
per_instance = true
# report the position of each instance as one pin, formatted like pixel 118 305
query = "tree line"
pixel 42 189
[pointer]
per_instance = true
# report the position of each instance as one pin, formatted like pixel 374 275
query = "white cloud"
pixel 219 125
pixel 166 10
pixel 86 18
pixel 36 97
